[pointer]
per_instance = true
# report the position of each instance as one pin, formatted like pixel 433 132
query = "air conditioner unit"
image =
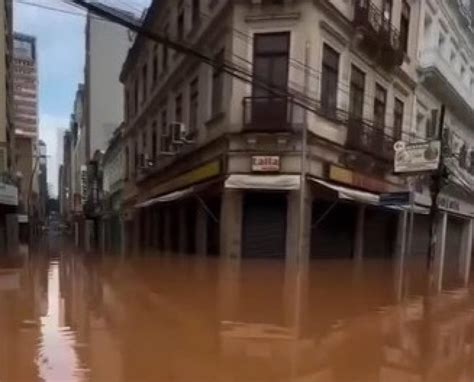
pixel 166 145
pixel 181 135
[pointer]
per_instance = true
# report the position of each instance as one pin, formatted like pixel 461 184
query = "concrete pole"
pixel 440 249
pixel 400 253
pixel 298 241
pixel 231 223
pixel 466 252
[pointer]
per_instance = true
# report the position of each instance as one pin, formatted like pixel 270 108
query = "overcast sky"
pixel 60 52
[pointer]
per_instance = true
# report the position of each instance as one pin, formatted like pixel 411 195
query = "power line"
pixel 53 9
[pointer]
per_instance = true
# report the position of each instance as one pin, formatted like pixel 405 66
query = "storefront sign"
pixel 446 203
pixel 344 175
pixel 395 198
pixel 267 163
pixel 417 157
pixel 8 194
pixel 199 174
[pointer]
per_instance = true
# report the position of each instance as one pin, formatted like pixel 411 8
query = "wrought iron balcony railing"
pixel 378 36
pixel 370 139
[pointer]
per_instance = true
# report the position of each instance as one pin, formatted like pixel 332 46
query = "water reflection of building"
pixel 23 299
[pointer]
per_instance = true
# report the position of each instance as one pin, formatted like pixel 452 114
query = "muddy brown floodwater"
pixel 65 316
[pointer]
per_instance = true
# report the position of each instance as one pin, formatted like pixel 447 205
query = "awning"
pixel 350 193
pixel 172 196
pixel 263 182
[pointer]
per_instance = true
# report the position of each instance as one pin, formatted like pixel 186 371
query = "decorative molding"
pixel 289 16
pixel 329 29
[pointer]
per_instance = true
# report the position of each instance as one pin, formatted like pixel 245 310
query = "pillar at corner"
pixel 293 250
pixel 440 249
pixel 466 252
pixel 231 223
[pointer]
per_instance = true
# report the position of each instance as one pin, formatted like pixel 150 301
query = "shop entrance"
pixel 264 225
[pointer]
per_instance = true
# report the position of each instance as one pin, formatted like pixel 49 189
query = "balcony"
pixel 268 114
pixel 446 84
pixel 369 139
pixel 377 36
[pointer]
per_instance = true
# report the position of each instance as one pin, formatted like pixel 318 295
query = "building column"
pixel 293 252
pixel 440 248
pixel 401 252
pixel 466 252
pixel 167 230
pixel 201 231
pixel 359 233
pixel 183 229
pixel 231 223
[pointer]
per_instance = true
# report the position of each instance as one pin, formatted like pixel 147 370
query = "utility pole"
pixel 436 185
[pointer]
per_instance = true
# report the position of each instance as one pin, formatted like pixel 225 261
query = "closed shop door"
pixel 380 233
pixel 453 251
pixel 264 225
pixel 332 229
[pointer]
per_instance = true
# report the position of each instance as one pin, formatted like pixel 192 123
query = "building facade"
pixel 43 193
pixel 25 80
pixel 217 165
pixel 112 184
pixel 446 80
pixel 98 112
pixel 8 185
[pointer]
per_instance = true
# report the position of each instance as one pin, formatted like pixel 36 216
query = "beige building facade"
pixel 8 186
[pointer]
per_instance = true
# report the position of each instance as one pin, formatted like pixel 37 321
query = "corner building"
pixel 213 165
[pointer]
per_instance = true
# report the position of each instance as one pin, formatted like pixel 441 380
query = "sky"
pixel 60 52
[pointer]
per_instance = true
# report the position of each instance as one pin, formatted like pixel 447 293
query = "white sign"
pixel 417 157
pixel 8 194
pixel 266 163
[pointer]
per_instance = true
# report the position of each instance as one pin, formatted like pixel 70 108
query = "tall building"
pixel 217 165
pixel 25 80
pixel 100 103
pixel 43 180
pixel 8 187
pixel 446 79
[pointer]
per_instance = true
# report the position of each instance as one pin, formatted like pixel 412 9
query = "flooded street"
pixel 66 316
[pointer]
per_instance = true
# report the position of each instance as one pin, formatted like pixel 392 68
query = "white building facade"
pixel 446 78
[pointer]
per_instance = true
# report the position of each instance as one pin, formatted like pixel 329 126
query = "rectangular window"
pixel 380 105
pixel 398 119
pixel 154 152
pixel 127 162
pixel 164 56
pixel 136 156
pixel 155 66
pixel 144 82
pixel 217 83
pixel 180 25
pixel 356 93
pixel 193 104
pixel 196 13
pixel 271 55
pixel 404 26
pixel 127 104
pixel 329 80
pixel 178 108
pixel 135 98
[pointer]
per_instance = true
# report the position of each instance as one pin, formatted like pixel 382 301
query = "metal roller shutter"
pixel 264 225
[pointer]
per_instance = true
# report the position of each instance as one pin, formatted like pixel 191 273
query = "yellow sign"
pixel 194 176
pixel 343 175
pixel 340 174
